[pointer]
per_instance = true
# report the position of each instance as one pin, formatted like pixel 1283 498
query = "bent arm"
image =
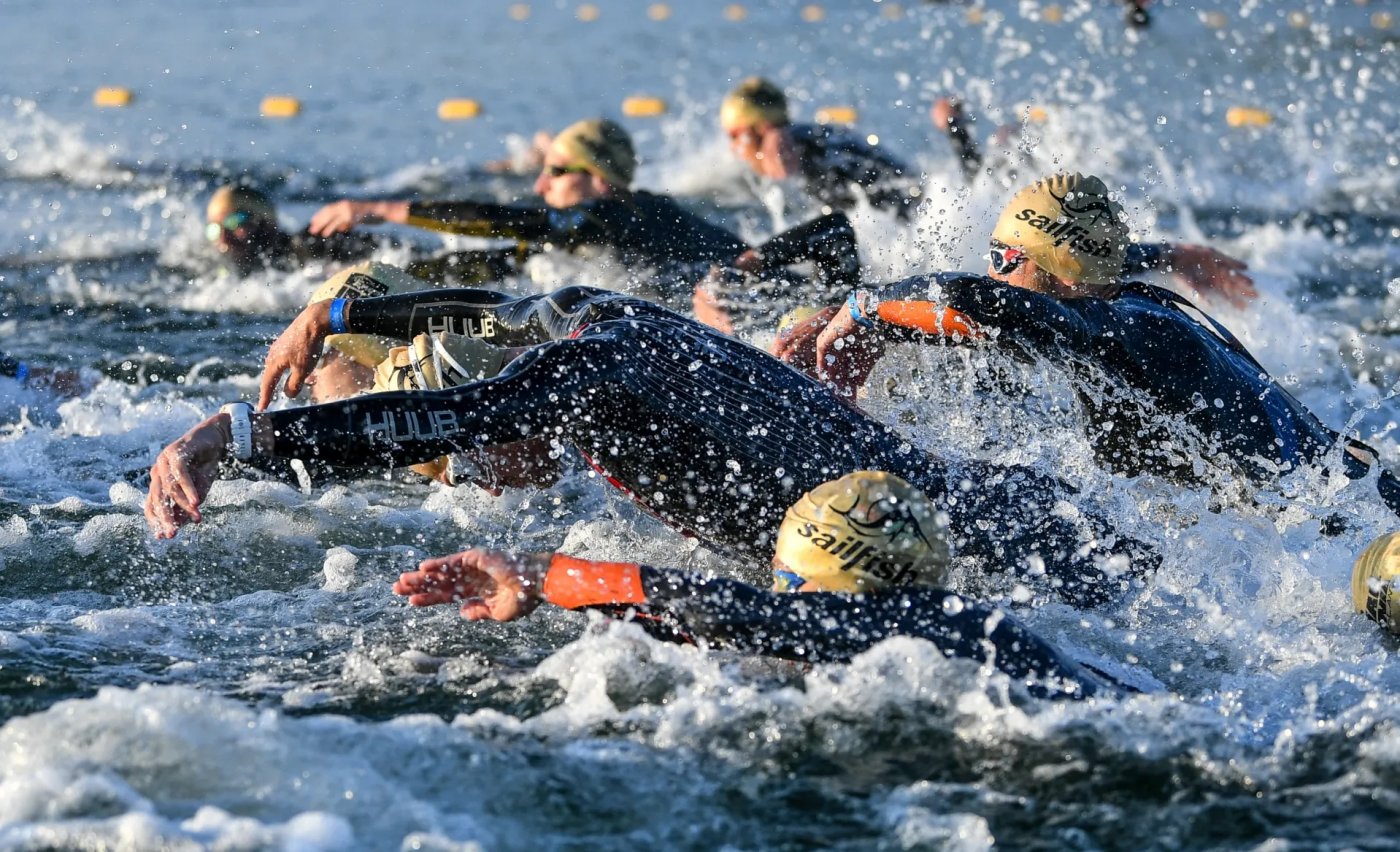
pixel 498 318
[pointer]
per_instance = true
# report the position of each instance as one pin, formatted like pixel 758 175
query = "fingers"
pixel 172 501
pixel 267 387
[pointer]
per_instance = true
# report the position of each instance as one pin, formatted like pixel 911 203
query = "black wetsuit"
pixel 1161 390
pixel 673 246
pixel 837 167
pixel 712 435
pixel 818 627
pixel 269 247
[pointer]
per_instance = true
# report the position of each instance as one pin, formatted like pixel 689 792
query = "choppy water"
pixel 254 685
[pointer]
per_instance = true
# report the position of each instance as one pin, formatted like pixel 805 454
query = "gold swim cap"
pixel 1069 226
pixel 1375 582
pixel 434 362
pixel 858 533
pixel 363 281
pixel 228 200
pixel 754 101
pixel 600 146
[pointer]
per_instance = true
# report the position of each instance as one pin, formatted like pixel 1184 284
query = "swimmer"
pixel 835 167
pixel 1144 362
pixel 64 384
pixel 585 183
pixel 868 550
pixel 711 435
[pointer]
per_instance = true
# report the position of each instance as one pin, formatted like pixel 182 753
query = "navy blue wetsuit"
pixel 837 167
pixel 1142 367
pixel 714 436
pixel 816 627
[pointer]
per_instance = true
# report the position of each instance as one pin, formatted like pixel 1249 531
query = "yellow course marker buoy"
pixel 1382 20
pixel 1052 14
pixel 588 13
pixel 1215 20
pixel 280 106
pixel 812 13
pixel 892 11
pixel 112 96
pixel 1248 117
pixel 836 115
pixel 735 12
pixel 520 11
pixel 1037 114
pixel 456 109
pixel 658 11
pixel 643 106
pixel 975 16
pixel 1298 20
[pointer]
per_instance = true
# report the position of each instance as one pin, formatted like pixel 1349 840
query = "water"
pixel 253 684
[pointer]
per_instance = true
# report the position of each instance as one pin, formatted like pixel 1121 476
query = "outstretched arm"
pixel 1204 270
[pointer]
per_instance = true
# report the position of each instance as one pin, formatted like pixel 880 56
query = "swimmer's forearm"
pixel 466 311
pixel 1141 257
pixel 480 219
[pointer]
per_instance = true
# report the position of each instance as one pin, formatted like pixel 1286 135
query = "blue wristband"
pixel 853 303
pixel 338 325
pixel 22 374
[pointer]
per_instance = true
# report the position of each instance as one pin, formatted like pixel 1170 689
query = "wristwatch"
pixel 240 415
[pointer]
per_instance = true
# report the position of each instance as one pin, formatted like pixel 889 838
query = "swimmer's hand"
pixel 183 474
pixel 796 345
pixel 707 308
pixel 295 352
pixel 1211 274
pixel 846 353
pixel 340 216
pixel 490 584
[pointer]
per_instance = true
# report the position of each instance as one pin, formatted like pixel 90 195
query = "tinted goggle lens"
pixel 1005 259
pixel 560 171
pixel 786 581
pixel 231 222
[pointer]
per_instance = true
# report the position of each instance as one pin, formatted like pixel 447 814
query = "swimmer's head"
pixel 239 222
pixel 1068 226
pixel 1375 582
pixel 754 103
pixel 859 533
pixel 597 146
pixel 363 281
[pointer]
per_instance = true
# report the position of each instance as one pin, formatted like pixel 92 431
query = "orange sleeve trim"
pixel 573 583
pixel 927 317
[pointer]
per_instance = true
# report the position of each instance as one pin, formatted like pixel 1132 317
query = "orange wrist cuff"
pixel 572 583
pixel 927 318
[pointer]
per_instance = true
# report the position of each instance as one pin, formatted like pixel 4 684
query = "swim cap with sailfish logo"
pixel 1069 226
pixel 858 533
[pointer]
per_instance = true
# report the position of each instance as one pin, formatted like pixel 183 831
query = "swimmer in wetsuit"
pixel 241 225
pixel 588 169
pixel 1161 389
pixel 867 550
pixel 835 167
pixel 711 435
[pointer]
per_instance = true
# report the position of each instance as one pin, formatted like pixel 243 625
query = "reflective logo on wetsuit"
pixel 454 323
pixel 1067 232
pixel 396 426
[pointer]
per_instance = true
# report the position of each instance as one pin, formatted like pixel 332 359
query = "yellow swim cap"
pixel 600 146
pixel 1069 227
pixel 363 281
pixel 228 200
pixel 754 101
pixel 1375 582
pixel 858 533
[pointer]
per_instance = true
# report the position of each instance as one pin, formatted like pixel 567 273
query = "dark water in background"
pixel 254 685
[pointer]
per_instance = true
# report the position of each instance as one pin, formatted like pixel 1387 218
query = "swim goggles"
pixel 1005 259
pixel 231 223
pixel 560 171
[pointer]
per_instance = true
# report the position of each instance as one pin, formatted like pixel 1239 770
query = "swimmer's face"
pixel 747 144
pixel 564 184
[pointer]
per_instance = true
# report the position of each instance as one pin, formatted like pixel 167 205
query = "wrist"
pixel 337 318
pixel 236 424
pixel 861 306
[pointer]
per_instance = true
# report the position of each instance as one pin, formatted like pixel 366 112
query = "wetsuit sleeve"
pixel 816 627
pixel 950 307
pixel 487 314
pixel 827 242
pixel 544 389
pixel 969 157
pixel 481 219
